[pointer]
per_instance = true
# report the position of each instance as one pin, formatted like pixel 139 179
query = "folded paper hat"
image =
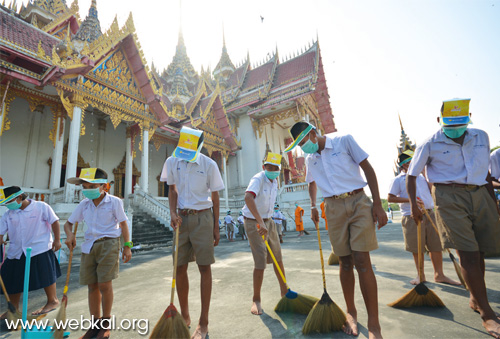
pixel 9 193
pixel 190 144
pixel 91 175
pixel 273 159
pixel 455 112
pixel 405 157
pixel 298 132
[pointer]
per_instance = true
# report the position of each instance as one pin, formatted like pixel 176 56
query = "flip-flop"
pixel 41 311
pixel 202 336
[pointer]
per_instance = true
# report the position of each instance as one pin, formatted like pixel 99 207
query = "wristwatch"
pixel 128 244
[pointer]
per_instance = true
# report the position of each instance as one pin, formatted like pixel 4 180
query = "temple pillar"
pixel 31 162
pixel 57 153
pixel 145 161
pixel 100 148
pixel 72 159
pixel 129 158
pixel 225 181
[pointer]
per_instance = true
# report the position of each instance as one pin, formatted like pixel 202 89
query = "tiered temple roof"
pixel 90 29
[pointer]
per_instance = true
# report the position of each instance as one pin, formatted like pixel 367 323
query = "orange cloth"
pixel 1 182
pixel 323 213
pixel 299 225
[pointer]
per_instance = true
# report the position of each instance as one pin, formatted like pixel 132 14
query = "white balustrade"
pixel 157 208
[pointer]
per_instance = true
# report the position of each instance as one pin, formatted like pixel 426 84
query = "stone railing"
pixel 156 208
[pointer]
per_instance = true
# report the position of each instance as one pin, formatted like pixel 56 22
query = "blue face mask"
pixel 296 205
pixel 454 132
pixel 271 175
pixel 91 193
pixel 309 147
pixel 14 205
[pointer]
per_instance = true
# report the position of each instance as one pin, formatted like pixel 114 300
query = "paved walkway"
pixel 143 290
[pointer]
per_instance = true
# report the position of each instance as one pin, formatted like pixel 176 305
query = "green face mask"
pixel 309 147
pixel 271 175
pixel 91 193
pixel 454 132
pixel 14 205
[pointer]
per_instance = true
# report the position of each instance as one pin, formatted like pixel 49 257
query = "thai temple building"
pixel 75 95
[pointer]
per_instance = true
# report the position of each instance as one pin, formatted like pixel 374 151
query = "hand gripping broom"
pixel 171 324
pixel 61 314
pixel 420 295
pixel 325 316
pixel 456 265
pixel 291 302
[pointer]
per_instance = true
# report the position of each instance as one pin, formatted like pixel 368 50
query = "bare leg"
pixel 182 286
pixel 206 293
pixel 416 281
pixel 472 269
pixel 437 263
pixel 283 288
pixel 258 277
pixel 368 285
pixel 347 281
pixel 52 301
pixel 106 290
pixel 94 300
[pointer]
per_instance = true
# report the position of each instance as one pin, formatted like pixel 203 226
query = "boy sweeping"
pixel 456 159
pixel 106 222
pixel 194 183
pixel 333 164
pixel 260 197
pixel 397 194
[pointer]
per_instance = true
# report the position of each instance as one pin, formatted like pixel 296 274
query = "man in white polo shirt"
pixel 194 181
pixel 260 197
pixel 457 160
pixel 430 238
pixel 333 164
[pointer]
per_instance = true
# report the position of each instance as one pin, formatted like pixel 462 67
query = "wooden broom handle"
pixel 69 262
pixel 420 253
pixel 4 290
pixel 321 255
pixel 433 225
pixel 176 254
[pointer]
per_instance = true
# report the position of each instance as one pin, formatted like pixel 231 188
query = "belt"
pixel 104 238
pixel 459 185
pixel 186 212
pixel 263 219
pixel 346 195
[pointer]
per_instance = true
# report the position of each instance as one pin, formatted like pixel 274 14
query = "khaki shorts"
pixel 350 224
pixel 467 218
pixel 279 228
pixel 430 238
pixel 102 264
pixel 196 239
pixel 230 227
pixel 260 254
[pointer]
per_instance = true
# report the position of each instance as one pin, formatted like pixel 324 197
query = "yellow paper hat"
pixel 189 145
pixel 91 175
pixel 455 112
pixel 9 193
pixel 273 159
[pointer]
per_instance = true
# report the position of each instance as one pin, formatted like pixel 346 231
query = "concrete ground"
pixel 143 291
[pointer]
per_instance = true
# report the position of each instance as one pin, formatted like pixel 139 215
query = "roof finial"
pixel 400 123
pixel 94 4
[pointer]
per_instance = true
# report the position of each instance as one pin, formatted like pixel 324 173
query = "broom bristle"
pixel 325 316
pixel 170 326
pixel 293 302
pixel 333 259
pixel 60 319
pixel 418 296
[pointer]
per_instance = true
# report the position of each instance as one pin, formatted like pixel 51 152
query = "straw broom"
pixel 171 325
pixel 420 295
pixel 325 316
pixel 291 302
pixel 333 259
pixel 456 265
pixel 61 314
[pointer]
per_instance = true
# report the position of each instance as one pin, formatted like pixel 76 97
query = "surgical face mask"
pixel 454 132
pixel 296 205
pixel 91 193
pixel 309 147
pixel 271 175
pixel 14 205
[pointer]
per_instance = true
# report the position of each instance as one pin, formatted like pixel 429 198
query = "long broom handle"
pixel 176 253
pixel 4 290
pixel 420 253
pixel 321 255
pixel 65 291
pixel 274 259
pixel 433 225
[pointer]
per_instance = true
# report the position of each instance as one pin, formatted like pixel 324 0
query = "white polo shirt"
pixel 398 188
pixel 495 164
pixel 448 162
pixel 228 219
pixel 102 221
pixel 195 181
pixel 336 170
pixel 240 219
pixel 277 216
pixel 31 227
pixel 265 192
